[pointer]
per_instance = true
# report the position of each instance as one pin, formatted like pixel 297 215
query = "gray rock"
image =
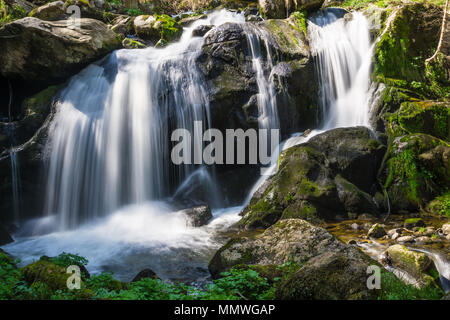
pixel 200 31
pixel 279 8
pixel 63 51
pixel 198 216
pixel 405 239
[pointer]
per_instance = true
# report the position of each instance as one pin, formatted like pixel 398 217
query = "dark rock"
pixel 50 12
pixel 279 8
pixel 146 273
pixel 200 31
pixel 330 175
pixel 413 222
pixel 198 216
pixel 376 231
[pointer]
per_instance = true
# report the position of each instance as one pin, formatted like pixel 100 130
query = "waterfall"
pixel 343 52
pixel 109 141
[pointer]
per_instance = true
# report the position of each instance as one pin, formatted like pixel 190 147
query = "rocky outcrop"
pixel 226 61
pixel 280 8
pixel 416 170
pixel 43 51
pixel 331 174
pixel 320 255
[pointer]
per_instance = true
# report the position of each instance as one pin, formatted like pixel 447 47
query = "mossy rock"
pixel 440 206
pixel 157 27
pixel 335 275
pixel 416 170
pixel 413 222
pixel 417 264
pixel 428 117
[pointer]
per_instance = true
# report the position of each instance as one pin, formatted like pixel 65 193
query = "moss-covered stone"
pixel 417 264
pixel 157 27
pixel 413 222
pixel 440 206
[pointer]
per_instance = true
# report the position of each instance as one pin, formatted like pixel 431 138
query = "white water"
pixel 110 142
pixel 344 53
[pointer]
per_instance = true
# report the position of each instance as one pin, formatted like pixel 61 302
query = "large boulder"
pixel 416 170
pixel 278 9
pixel 320 255
pixel 198 216
pixel 42 51
pixel 417 264
pixel 332 174
pixel 50 12
pixel 226 61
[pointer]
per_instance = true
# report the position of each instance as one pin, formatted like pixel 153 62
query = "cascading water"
pixel 343 53
pixel 110 139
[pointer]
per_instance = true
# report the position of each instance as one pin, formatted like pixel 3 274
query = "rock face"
pixel 322 257
pixel 332 174
pixel 50 12
pixel 416 171
pixel 280 8
pixel 156 27
pixel 226 61
pixel 62 51
pixel 146 273
pixel 5 238
pixel 198 216
pixel 415 263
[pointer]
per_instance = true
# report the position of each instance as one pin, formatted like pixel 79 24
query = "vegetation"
pixel 8 13
pixel 241 282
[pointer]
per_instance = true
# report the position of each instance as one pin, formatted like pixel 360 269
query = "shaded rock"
pixel 89 8
pixel 200 31
pixel 50 12
pixel 123 25
pixel 198 216
pixel 413 222
pixel 423 239
pixel 5 237
pixel 352 198
pixel 62 51
pixel 416 170
pixel 376 231
pixel 157 27
pixel 279 8
pixel 146 273
pixel 338 275
pixel 290 240
pixel 415 263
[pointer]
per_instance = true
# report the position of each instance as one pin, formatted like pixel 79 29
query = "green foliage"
pixel 66 259
pixel 393 288
pixel 8 13
pixel 440 205
pixel 133 12
pixel 169 28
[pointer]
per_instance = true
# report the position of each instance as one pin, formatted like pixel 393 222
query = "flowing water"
pixel 343 51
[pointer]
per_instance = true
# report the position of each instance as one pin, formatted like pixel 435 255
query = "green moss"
pixel 440 206
pixel 10 13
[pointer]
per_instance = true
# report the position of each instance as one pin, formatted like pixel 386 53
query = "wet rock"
pixel 413 222
pixel 129 43
pixel 146 273
pixel 415 263
pixel 62 51
pixel 309 183
pixel 376 231
pixel 200 31
pixel 351 242
pixel 50 12
pixel 405 239
pixel 198 216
